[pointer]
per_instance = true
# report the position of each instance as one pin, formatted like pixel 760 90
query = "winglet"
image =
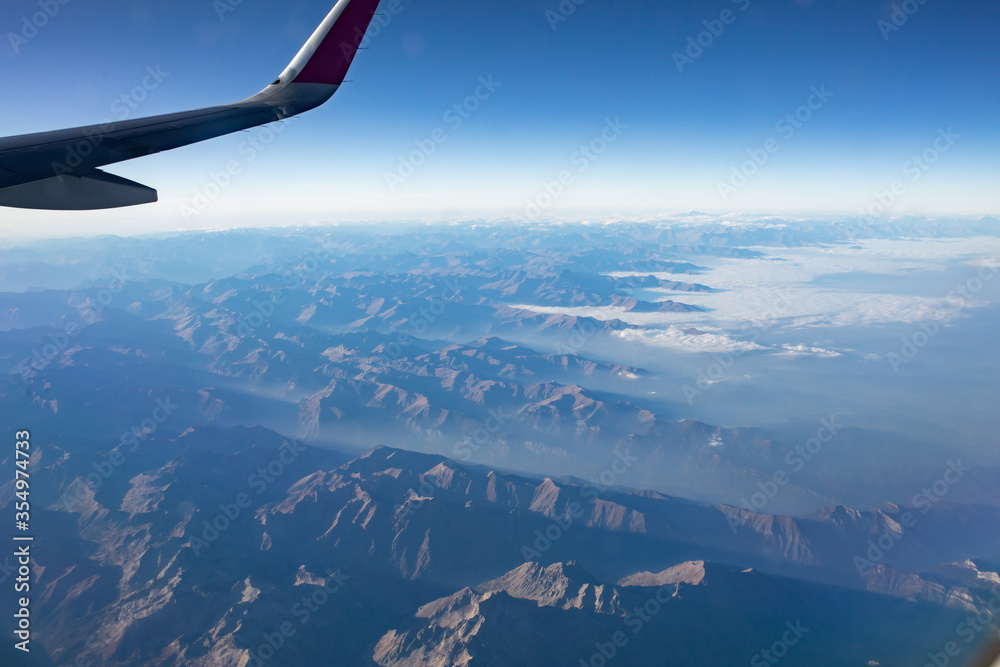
pixel 328 54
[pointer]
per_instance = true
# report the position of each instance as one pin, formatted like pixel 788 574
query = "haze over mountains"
pixel 420 446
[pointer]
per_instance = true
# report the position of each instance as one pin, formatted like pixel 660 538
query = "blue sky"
pixel 895 93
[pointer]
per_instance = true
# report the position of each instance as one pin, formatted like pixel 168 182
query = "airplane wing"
pixel 61 170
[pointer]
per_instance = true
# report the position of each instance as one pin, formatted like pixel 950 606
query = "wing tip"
pixel 329 53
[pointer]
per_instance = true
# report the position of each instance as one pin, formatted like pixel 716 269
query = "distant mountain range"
pixel 426 448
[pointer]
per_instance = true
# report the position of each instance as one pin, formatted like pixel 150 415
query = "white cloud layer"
pixel 786 294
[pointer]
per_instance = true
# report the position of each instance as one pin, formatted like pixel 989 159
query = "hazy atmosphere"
pixel 568 334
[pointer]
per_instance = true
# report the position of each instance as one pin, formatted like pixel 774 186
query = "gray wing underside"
pixel 81 150
pixel 61 170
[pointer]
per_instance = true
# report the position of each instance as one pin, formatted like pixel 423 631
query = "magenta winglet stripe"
pixel 333 57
